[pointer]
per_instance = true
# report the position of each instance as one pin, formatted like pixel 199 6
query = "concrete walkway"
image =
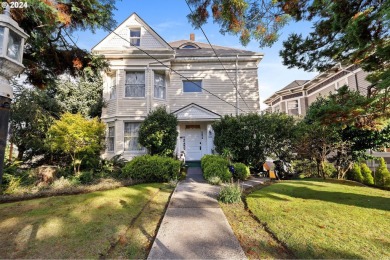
pixel 194 226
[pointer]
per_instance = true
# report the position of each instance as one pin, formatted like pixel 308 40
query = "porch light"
pixel 12 39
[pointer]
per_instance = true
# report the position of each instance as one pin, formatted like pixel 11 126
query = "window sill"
pixel 160 99
pixel 134 97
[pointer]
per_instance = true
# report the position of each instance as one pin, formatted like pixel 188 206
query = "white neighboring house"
pixel 138 83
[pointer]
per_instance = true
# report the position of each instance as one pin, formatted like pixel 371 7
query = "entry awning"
pixel 194 112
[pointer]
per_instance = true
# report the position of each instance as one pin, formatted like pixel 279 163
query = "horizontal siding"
pixel 323 92
pixel 133 107
pixel 218 83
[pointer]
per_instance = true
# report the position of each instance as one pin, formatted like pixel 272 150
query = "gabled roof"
pixel 195 112
pixel 136 17
pixel 206 50
pixel 294 84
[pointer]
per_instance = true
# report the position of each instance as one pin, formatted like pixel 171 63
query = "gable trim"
pixel 212 115
pixel 147 27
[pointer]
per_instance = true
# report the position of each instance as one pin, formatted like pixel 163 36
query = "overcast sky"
pixel 168 19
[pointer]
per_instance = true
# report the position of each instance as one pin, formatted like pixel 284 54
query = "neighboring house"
pixel 137 83
pixel 296 97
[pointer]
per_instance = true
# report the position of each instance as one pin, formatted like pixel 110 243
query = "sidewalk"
pixel 194 226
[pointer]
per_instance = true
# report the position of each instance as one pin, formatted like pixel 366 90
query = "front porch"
pixel 196 135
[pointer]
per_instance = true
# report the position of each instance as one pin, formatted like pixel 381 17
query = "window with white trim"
pixel 135 84
pixel 292 107
pixel 111 139
pixel 131 133
pixel 135 37
pixel 112 86
pixel 192 86
pixel 159 85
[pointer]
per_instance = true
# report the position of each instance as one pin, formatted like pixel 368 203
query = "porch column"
pixel 177 148
pixel 210 138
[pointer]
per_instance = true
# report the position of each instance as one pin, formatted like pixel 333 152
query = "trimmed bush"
pixel 215 165
pixel 241 171
pixel 355 173
pixel 367 174
pixel 152 168
pixel 382 174
pixel 230 194
pixel 218 169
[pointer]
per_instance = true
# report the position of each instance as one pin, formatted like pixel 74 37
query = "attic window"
pixel 189 46
pixel 135 37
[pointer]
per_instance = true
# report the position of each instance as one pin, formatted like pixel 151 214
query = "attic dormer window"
pixel 189 46
pixel 135 37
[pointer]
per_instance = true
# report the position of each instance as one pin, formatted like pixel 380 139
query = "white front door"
pixel 193 144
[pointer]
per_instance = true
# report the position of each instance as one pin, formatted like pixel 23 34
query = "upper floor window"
pixel 131 137
pixel 135 84
pixel 111 139
pixel 192 86
pixel 112 86
pixel 135 37
pixel 159 86
pixel 188 47
pixel 292 107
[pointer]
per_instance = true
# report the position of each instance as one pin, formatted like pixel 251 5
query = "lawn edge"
pixel 82 189
pixel 264 225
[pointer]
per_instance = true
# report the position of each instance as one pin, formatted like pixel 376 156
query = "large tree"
pixel 344 31
pixel 51 50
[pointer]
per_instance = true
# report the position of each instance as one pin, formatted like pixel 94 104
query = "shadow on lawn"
pixel 346 198
pixel 81 226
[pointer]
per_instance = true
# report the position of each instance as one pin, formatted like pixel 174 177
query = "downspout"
pixel 237 104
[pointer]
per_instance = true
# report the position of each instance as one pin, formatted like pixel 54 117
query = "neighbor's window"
pixel 131 137
pixel 292 107
pixel 111 139
pixel 135 84
pixel 112 86
pixel 192 86
pixel 159 86
pixel 135 37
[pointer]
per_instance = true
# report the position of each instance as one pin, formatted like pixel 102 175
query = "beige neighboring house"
pixel 296 97
pixel 137 83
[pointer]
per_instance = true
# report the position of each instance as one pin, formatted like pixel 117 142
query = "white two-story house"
pixel 185 76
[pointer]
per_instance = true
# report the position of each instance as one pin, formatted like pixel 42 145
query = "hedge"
pixel 241 171
pixel 152 168
pixel 214 165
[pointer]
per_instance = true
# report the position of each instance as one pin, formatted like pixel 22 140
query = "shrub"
pixel 330 170
pixel 241 171
pixel 230 193
pixel 62 183
pixel 77 137
pixel 382 174
pixel 215 180
pixel 152 168
pixel 355 173
pixel 158 132
pixel 367 174
pixel 85 177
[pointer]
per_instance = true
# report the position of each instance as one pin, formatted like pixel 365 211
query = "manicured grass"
pixel 114 223
pixel 320 219
pixel 254 240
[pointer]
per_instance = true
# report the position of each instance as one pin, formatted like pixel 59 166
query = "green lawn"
pixel 320 219
pixel 119 223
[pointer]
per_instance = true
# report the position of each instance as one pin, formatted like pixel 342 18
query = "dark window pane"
pixel 189 47
pixel 135 33
pixel 192 86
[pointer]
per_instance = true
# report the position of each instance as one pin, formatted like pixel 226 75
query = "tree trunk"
pixel 323 169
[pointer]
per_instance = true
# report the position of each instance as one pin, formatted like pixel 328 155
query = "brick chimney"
pixel 192 37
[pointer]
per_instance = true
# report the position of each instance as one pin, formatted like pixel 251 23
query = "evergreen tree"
pixel 382 174
pixel 158 132
pixel 367 174
pixel 355 173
